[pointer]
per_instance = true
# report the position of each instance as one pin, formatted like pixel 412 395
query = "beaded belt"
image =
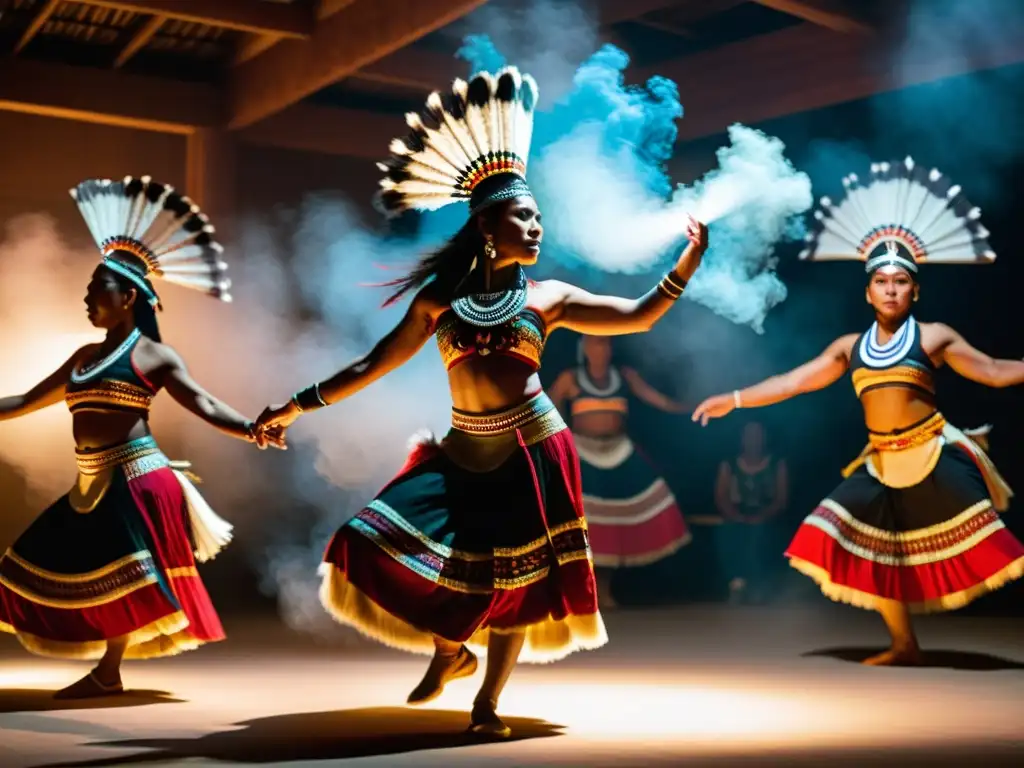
pixel 912 436
pixel 536 419
pixel 138 457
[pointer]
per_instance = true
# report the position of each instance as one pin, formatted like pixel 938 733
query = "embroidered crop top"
pixel 900 362
pixel 595 399
pixel 111 384
pixel 523 338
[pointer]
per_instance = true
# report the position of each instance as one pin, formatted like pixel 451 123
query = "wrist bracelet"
pixel 309 399
pixel 736 398
pixel 671 286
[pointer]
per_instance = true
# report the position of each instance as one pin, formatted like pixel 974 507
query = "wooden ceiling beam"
pixel 831 14
pixel 614 11
pixel 327 130
pixel 808 67
pixel 342 44
pixel 37 23
pixel 139 40
pixel 285 20
pixel 108 97
pixel 257 44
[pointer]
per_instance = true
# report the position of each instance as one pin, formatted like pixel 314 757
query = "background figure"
pixel 632 516
pixel 751 490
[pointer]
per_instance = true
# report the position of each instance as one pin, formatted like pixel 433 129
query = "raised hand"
pixel 697 234
pixel 714 408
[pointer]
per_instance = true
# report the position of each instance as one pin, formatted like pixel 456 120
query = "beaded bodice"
pixel 900 362
pixel 110 384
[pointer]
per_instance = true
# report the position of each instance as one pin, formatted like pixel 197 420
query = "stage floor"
pixel 700 686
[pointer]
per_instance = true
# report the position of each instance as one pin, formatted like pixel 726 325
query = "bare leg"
pixel 451 661
pixel 605 600
pixel 904 650
pixel 502 654
pixel 104 679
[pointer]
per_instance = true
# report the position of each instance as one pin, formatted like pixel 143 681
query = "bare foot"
pixel 90 687
pixel 443 670
pixel 485 721
pixel 909 656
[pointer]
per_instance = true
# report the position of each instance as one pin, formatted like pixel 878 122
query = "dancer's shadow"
pixel 319 736
pixel 942 659
pixel 35 700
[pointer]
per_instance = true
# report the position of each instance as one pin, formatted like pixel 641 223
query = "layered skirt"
pixel 915 521
pixel 115 557
pixel 632 516
pixel 481 532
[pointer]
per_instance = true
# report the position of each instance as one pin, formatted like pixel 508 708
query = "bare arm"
pixel 394 350
pixel 173 374
pixel 561 390
pixel 650 395
pixel 816 374
pixel 723 493
pixel 598 315
pixel 44 394
pixel 976 365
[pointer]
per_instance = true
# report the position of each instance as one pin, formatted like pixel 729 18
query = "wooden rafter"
pixel 37 24
pixel 107 97
pixel 344 43
pixel 831 14
pixel 291 20
pixel 139 40
pixel 614 11
pixel 257 44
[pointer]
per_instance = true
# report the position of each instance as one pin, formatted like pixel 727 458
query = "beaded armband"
pixel 309 399
pixel 671 287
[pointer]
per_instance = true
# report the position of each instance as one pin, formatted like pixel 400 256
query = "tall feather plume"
pixel 477 129
pixel 922 210
pixel 163 228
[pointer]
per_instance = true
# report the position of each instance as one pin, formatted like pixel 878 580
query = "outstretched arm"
pixel 976 365
pixel 395 349
pixel 644 391
pixel 174 375
pixel 44 394
pixel 588 313
pixel 816 374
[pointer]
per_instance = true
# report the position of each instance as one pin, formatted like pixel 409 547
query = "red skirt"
pixel 632 515
pixel 483 532
pixel 113 558
pixel 934 546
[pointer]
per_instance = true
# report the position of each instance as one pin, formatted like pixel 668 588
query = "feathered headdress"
pixel 904 216
pixel 470 144
pixel 144 230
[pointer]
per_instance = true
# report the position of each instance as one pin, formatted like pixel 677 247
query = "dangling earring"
pixel 489 250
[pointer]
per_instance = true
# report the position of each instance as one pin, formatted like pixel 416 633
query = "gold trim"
pixel 919 434
pixel 167 636
pixel 905 375
pixel 918 533
pixel 92 462
pixel 90 602
pixel 510 420
pixel 109 392
pixel 951 602
pixel 546 641
pixel 77 578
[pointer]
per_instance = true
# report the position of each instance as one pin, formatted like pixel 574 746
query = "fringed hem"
pixel 167 636
pixel 868 601
pixel 645 558
pixel 210 533
pixel 546 641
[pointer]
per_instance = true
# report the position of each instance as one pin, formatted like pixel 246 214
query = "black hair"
pixel 144 313
pixel 448 266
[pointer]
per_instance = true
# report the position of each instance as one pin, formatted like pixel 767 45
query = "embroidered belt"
pixel 537 419
pixel 138 457
pixel 915 435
